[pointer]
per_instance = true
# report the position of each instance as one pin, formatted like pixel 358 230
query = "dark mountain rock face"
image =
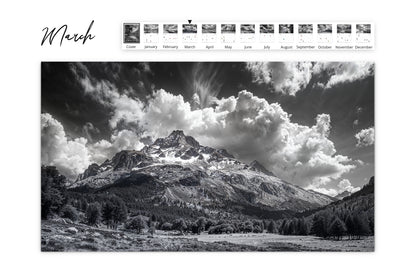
pixel 92 170
pixel 256 165
pixel 181 170
pixel 128 159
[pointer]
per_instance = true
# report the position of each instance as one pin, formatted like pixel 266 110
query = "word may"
pixel 50 35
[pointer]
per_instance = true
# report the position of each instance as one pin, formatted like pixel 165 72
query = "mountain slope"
pixel 182 171
pixel 343 194
pixel 360 201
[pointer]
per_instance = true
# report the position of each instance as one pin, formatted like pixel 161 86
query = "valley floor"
pixel 275 242
pixel 62 236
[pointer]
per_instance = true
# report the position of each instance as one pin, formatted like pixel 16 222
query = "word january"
pixel 63 31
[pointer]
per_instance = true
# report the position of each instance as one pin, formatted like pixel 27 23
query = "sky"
pixel 310 123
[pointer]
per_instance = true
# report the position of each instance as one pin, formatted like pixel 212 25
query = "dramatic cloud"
pixel 345 185
pixel 69 156
pixel 73 156
pixel 291 77
pixel 205 84
pixel 288 78
pixel 365 137
pixel 121 140
pixel 298 153
pixel 343 72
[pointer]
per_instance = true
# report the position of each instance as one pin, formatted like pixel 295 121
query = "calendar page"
pixel 228 33
pixel 170 33
pixel 151 33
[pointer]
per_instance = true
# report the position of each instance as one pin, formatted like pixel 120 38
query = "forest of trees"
pixel 351 219
pixel 353 225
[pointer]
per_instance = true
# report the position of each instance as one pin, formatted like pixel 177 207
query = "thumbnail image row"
pixel 247 28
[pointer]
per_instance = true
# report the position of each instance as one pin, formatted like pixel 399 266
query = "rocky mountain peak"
pixel 175 139
pixel 127 159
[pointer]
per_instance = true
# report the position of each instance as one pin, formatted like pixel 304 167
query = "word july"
pixel 63 31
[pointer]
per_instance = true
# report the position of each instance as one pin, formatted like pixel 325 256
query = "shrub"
pixel 166 226
pixel 179 224
pixel 248 227
pixel 93 213
pixel 221 229
pixel 257 229
pixel 69 212
pixel 136 224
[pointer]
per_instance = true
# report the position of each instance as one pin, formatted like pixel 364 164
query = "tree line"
pixel 353 218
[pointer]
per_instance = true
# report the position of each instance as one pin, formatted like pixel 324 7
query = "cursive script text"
pixel 50 35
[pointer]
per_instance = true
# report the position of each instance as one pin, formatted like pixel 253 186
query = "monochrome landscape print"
pixel 222 156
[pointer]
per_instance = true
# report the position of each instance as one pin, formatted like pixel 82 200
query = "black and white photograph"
pixel 344 28
pixel 131 32
pixel 324 28
pixel 151 28
pixel 267 28
pixel 209 28
pixel 189 28
pixel 198 156
pixel 247 29
pixel 286 28
pixel 170 28
pixel 227 28
pixel 363 28
pixel 305 28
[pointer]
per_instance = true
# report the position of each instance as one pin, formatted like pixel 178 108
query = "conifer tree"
pixel 337 228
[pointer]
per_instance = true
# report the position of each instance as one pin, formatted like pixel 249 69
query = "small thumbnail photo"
pixel 151 28
pixel 227 28
pixel 267 28
pixel 170 28
pixel 363 28
pixel 343 28
pixel 189 28
pixel 324 28
pixel 286 28
pixel 247 29
pixel 305 28
pixel 209 28
pixel 131 32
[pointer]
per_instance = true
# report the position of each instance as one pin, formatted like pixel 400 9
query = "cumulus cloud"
pixel 288 78
pixel 70 156
pixel 73 156
pixel 298 153
pixel 301 154
pixel 120 140
pixel 291 77
pixel 345 185
pixel 344 72
pixel 365 137
pixel 327 191
pixel 247 126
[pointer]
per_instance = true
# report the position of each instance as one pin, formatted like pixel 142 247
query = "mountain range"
pixel 177 169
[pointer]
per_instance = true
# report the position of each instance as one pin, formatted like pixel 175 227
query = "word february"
pixel 50 35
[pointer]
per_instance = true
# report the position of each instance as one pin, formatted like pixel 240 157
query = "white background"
pixel 21 54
